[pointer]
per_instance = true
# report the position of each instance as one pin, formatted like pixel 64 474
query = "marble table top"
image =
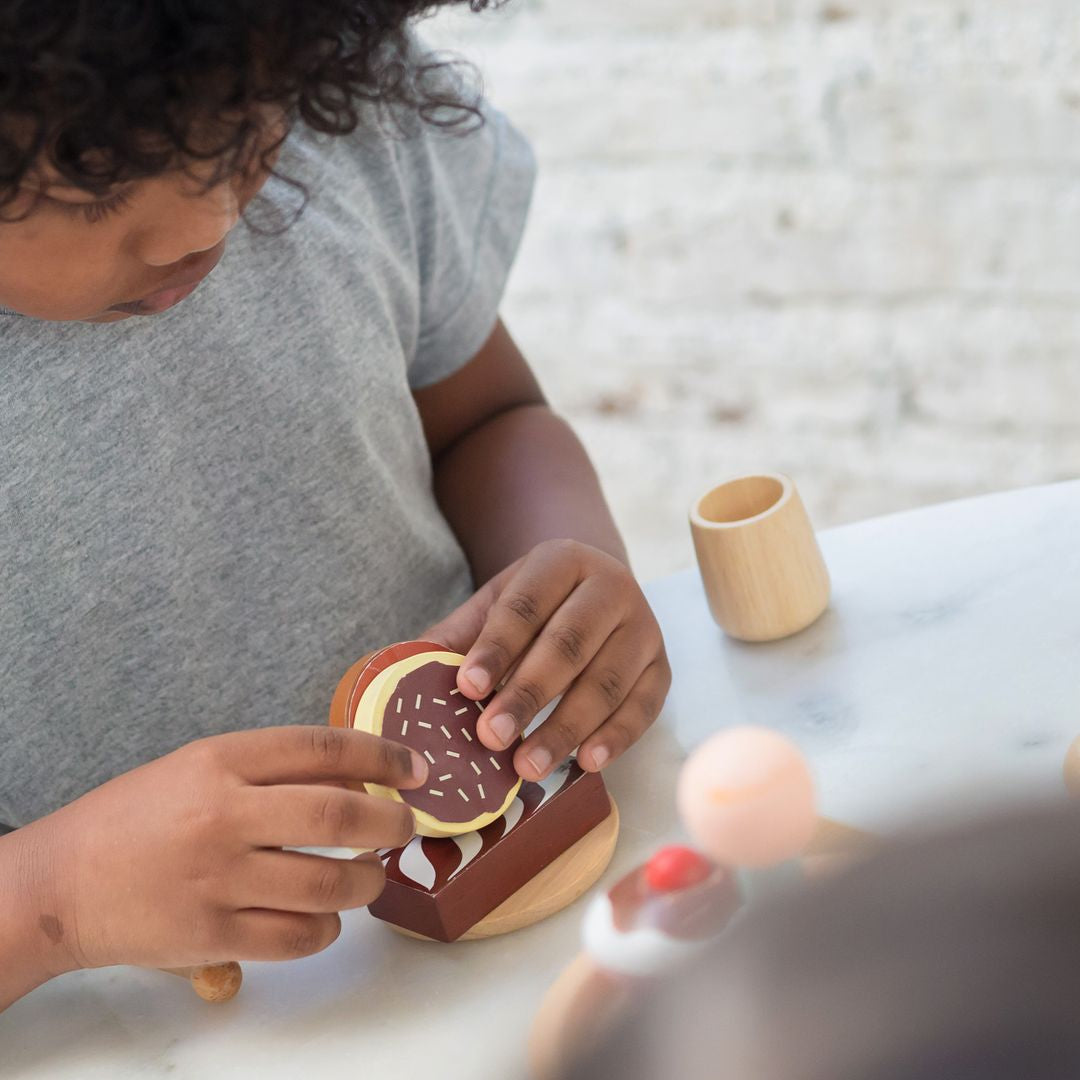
pixel 946 675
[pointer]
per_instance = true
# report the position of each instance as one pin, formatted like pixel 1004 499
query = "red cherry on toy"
pixel 674 868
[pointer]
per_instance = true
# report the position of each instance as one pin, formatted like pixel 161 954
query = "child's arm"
pixel 494 440
pixel 559 601
pixel 30 953
pixel 185 860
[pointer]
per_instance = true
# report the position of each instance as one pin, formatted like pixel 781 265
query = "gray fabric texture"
pixel 208 514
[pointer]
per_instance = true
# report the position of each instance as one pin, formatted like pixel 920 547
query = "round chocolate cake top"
pixel 426 711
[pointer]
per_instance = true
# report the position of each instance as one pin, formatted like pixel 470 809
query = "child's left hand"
pixel 564 619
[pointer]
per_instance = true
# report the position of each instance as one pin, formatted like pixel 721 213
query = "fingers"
pixel 526 601
pixel 255 934
pixel 292 881
pixel 569 620
pixel 565 646
pixel 592 699
pixel 294 815
pixel 630 720
pixel 460 629
pixel 310 753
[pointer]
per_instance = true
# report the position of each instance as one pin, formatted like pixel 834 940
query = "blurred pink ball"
pixel 747 798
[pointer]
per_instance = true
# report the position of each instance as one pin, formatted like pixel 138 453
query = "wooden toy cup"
pixel 760 561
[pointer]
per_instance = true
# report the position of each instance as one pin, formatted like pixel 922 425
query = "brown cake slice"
pixel 442 887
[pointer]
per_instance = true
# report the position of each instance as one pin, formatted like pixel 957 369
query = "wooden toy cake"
pixel 492 853
pixel 409 693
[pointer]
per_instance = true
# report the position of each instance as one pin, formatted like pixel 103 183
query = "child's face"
pixel 137 251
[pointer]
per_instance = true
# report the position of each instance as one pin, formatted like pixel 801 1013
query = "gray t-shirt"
pixel 207 515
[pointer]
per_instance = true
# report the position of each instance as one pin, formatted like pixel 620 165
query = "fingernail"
pixel 503 728
pixel 600 755
pixel 539 759
pixel 419 768
pixel 478 679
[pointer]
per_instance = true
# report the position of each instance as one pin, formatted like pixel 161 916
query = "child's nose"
pixel 192 224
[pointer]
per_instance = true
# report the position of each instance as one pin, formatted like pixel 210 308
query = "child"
pixel 955 957
pixel 235 459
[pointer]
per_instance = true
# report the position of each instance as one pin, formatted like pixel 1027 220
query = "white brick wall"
pixel 837 238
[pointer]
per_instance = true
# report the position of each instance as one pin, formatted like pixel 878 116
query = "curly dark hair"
pixel 109 91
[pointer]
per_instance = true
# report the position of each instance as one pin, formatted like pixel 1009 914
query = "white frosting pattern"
pixel 415 865
pixel 469 845
pixel 553 783
pixel 513 814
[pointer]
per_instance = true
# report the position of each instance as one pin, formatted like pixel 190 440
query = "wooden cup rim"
pixel 702 521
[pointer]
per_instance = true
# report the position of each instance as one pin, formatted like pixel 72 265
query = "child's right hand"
pixel 179 861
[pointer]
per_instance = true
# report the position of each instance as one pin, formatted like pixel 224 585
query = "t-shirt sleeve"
pixel 469 199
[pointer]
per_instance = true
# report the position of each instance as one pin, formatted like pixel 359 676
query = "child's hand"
pixel 180 862
pixel 566 618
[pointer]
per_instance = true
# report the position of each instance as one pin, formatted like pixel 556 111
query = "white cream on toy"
pixel 747 798
pixel 644 952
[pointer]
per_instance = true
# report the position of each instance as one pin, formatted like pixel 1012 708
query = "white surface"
pixel 949 666
pixel 946 672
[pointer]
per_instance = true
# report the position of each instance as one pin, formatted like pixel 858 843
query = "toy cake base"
pixel 443 887
pixel 579 1009
pixel 557 886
